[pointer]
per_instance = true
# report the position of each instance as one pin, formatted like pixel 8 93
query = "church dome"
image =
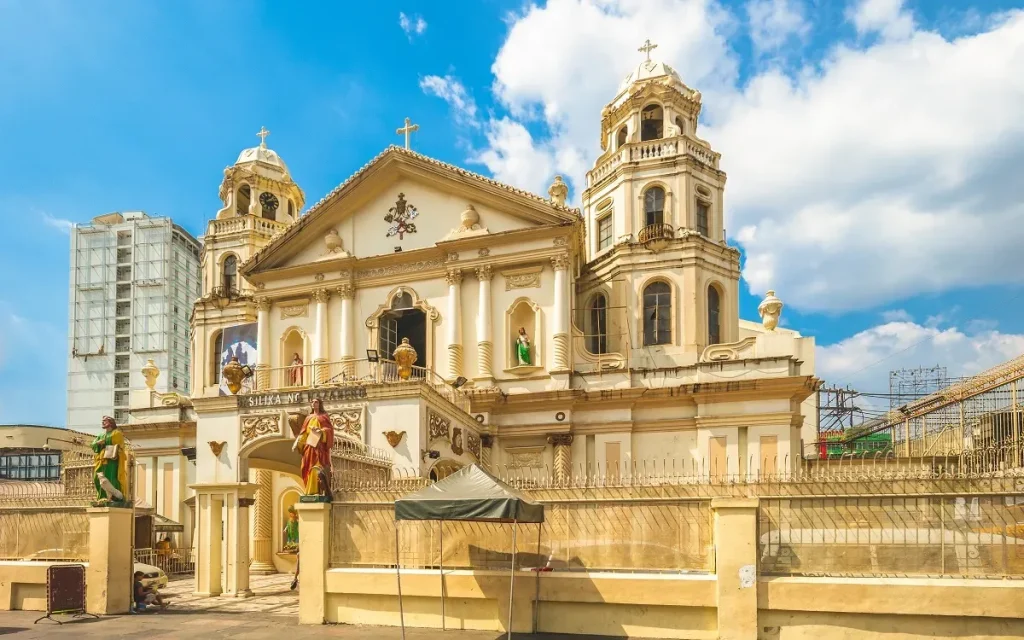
pixel 262 154
pixel 650 69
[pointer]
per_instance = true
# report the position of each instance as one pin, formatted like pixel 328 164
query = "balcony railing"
pixel 261 226
pixel 354 372
pixel 656 232
pixel 653 150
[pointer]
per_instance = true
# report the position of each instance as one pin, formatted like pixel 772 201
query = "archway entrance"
pixel 403 320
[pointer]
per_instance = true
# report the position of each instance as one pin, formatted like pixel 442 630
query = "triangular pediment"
pixel 404 199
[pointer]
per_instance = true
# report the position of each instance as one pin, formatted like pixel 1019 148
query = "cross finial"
pixel 647 48
pixel 407 129
pixel 263 133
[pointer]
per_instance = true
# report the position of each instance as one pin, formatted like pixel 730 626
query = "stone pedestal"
pixel 314 555
pixel 735 536
pixel 108 578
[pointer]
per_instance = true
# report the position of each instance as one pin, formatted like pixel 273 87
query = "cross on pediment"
pixel 647 48
pixel 407 129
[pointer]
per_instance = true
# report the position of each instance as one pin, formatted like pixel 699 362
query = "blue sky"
pixel 124 105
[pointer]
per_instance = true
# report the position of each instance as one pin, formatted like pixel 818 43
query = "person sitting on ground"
pixel 145 595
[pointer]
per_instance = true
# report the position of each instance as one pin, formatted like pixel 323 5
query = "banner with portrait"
pixel 239 342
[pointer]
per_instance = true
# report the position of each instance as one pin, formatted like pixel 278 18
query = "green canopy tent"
pixel 470 495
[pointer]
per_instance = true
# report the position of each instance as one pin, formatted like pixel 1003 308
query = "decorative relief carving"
pixel 295 310
pixel 260 286
pixel 451 257
pixel 400 218
pixel 473 444
pixel 525 457
pixel 216 447
pixel 319 277
pixel 262 303
pixel 484 272
pixel 560 439
pixel 437 427
pixel 257 426
pixel 346 291
pixel 394 437
pixel 321 295
pixel 390 270
pixel 347 420
pixel 484 252
pixel 522 278
pixel 560 261
pixel 454 276
pixel 560 241
pixel 457 441
pixel 728 350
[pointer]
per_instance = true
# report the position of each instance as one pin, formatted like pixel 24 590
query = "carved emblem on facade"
pixel 457 441
pixel 348 420
pixel 257 426
pixel 437 427
pixel 394 437
pixel 473 444
pixel 419 265
pixel 522 279
pixel 295 310
pixel 400 218
pixel 525 457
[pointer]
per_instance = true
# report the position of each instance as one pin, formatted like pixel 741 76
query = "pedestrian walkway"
pixel 271 596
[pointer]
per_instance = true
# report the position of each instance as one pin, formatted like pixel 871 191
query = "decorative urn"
pixel 770 310
pixel 333 241
pixel 470 218
pixel 151 373
pixel 232 373
pixel 405 356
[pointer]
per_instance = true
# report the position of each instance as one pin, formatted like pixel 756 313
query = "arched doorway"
pixel 403 320
pixel 443 469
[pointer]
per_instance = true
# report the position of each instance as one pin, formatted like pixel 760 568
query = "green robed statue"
pixel 110 463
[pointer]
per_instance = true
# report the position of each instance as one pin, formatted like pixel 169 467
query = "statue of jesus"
pixel 314 443
pixel 523 347
pixel 295 372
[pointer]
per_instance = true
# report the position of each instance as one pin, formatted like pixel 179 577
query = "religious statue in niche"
pixel 295 371
pixel 523 348
pixel 291 531
pixel 314 444
pixel 110 464
pixel 400 218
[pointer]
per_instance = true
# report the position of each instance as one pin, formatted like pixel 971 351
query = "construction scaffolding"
pixel 907 385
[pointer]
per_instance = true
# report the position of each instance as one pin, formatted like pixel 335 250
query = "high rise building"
pixel 133 281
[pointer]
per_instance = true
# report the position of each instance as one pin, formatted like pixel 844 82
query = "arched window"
pixel 681 124
pixel 654 206
pixel 244 198
pixel 291 209
pixel 714 315
pixel 652 122
pixel 217 357
pixel 597 338
pixel 657 314
pixel 621 138
pixel 229 279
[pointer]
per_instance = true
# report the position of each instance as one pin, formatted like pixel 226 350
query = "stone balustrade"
pixel 653 150
pixel 262 226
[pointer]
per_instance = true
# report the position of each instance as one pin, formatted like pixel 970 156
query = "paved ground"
pixel 270 615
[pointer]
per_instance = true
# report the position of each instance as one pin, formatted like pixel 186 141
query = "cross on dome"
pixel 263 133
pixel 647 48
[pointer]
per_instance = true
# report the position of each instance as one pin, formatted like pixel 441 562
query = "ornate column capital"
pixel 560 262
pixel 346 291
pixel 454 276
pixel 321 295
pixel 484 272
pixel 262 303
pixel 560 439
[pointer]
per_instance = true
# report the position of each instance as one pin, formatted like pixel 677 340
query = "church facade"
pixel 547 338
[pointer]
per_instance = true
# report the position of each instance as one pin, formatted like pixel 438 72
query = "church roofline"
pixel 567 214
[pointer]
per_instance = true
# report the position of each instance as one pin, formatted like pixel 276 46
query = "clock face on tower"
pixel 269 201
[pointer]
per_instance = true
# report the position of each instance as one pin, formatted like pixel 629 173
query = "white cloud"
pixel 773 22
pixel 60 224
pixel 411 25
pixel 886 17
pixel 864 360
pixel 897 315
pixel 897 161
pixel 454 93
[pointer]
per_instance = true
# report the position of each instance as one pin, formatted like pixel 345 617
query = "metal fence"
pixel 579 533
pixel 44 533
pixel 172 561
pixel 971 535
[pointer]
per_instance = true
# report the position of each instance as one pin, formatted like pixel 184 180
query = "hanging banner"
pixel 239 342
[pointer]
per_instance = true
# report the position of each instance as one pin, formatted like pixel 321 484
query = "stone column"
pixel 262 343
pixel 454 322
pixel 314 535
pixel 560 322
pixel 108 576
pixel 348 333
pixel 263 529
pixel 485 348
pixel 208 547
pixel 562 442
pixel 486 443
pixel 735 536
pixel 236 566
pixel 320 340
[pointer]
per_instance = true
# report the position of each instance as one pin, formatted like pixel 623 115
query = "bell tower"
pixel 260 199
pixel 653 206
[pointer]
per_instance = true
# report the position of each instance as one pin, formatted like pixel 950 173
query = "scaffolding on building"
pixel 907 385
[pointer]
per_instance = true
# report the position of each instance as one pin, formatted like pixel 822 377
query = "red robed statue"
pixel 314 443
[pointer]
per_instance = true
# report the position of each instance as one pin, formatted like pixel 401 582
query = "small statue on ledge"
pixel 110 465
pixel 291 531
pixel 295 372
pixel 523 348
